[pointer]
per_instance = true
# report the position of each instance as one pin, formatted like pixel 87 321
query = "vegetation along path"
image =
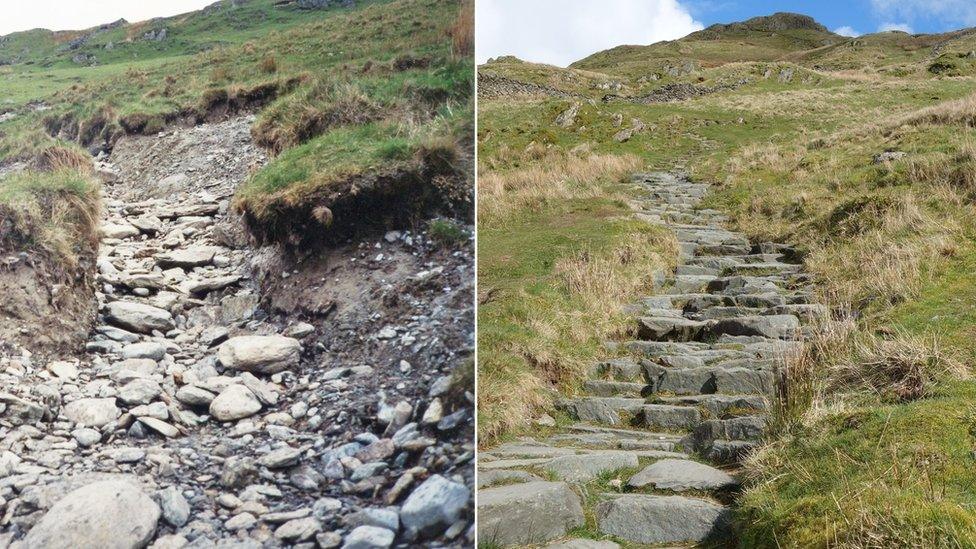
pixel 652 455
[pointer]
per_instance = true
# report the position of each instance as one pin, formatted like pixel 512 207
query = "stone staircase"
pixel 672 421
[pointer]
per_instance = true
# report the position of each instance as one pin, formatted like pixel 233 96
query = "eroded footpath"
pixel 209 410
pixel 650 455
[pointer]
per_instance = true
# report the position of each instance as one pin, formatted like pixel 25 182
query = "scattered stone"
pixel 233 403
pixel 92 412
pixel 137 317
pixel 369 537
pixel 175 508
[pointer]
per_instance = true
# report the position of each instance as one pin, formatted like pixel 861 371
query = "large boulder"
pixel 138 317
pixel 260 354
pixel 533 512
pixel 90 517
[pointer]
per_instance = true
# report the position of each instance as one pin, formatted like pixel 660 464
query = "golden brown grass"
pixel 462 33
pixel 269 64
pixel 551 175
pixel 840 363
pixel 956 112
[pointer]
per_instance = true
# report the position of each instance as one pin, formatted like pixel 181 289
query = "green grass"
pixel 876 476
pixel 20 188
pixel 339 154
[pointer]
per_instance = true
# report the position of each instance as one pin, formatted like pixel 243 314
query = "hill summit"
pixel 777 22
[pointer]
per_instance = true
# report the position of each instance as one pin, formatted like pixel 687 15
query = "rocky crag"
pixel 239 396
pixel 652 448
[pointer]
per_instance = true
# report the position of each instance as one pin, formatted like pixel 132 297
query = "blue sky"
pixel 863 16
pixel 562 31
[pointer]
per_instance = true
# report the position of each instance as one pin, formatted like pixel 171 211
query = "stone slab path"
pixel 658 435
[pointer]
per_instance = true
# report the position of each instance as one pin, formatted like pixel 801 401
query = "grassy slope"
pixel 892 241
pixel 397 56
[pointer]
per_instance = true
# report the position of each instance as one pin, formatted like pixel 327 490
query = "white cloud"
pixel 561 31
pixel 904 27
pixel 954 12
pixel 847 31
pixel 77 15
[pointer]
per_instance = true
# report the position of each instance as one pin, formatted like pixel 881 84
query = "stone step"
pixel 725 440
pixel 621 369
pixel 626 439
pixel 681 475
pixel 668 417
pixel 722 262
pixel 756 269
pixel 606 410
pixel 719 406
pixel 654 520
pixel 526 513
pixel 707 380
pixel 586 467
pixel 601 388
pixel 682 329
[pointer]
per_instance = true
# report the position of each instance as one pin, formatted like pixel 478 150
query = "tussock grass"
pixel 462 33
pixel 51 212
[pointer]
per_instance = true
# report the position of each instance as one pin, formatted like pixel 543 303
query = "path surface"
pixel 652 452
pixel 197 418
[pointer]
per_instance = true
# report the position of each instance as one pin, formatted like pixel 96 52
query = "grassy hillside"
pixel 316 77
pixel 860 155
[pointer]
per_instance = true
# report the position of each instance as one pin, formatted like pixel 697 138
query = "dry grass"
pixel 840 363
pixel 269 64
pixel 957 112
pixel 462 33
pixel 552 175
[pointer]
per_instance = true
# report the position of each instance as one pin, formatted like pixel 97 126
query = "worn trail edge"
pixel 658 435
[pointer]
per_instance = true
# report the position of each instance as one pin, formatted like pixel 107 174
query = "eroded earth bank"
pixel 230 394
